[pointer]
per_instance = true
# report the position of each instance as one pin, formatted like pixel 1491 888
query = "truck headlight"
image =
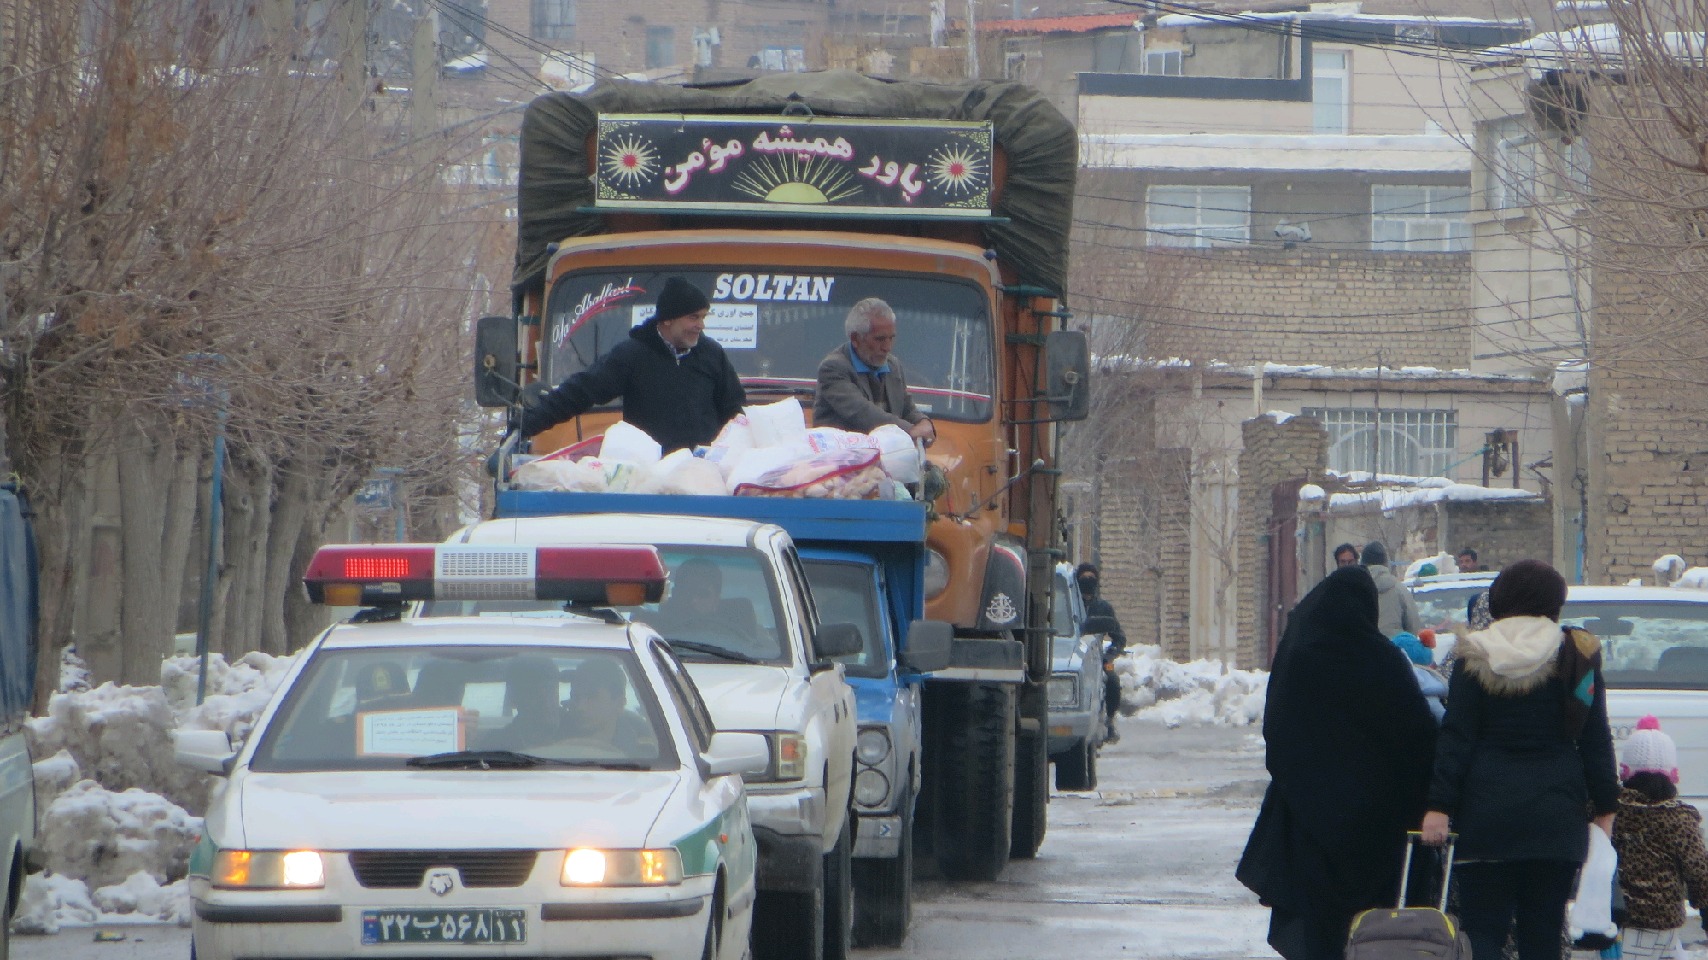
pixel 788 758
pixel 268 870
pixel 1063 690
pixel 872 747
pixel 936 574
pixel 590 867
pixel 871 788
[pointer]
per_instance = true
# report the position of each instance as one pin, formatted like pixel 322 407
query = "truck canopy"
pixel 17 606
pixel 1034 208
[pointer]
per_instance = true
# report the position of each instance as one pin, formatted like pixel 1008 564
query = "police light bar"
pixel 387 573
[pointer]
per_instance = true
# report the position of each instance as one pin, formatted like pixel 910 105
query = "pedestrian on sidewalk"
pixel 1524 754
pixel 1662 860
pixel 1089 578
pixel 1396 612
pixel 1347 742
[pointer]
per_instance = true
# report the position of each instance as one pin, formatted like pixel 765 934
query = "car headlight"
pixel 268 870
pixel 590 867
pixel 936 574
pixel 873 746
pixel 871 788
pixel 788 759
pixel 1063 691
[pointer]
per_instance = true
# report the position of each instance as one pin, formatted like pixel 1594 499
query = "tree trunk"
pixel 157 490
pixel 289 516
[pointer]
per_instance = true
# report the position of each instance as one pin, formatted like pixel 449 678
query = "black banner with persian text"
pixel 794 164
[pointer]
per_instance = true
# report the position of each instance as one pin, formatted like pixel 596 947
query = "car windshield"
pixel 847 593
pixel 719 599
pixel 535 707
pixel 1647 645
pixel 777 325
pixel 1061 610
pixel 1440 607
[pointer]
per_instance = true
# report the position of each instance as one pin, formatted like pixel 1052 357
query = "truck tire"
pixel 1031 794
pixel 976 801
pixel 883 894
pixel 839 894
pixel 1077 769
pixel 789 925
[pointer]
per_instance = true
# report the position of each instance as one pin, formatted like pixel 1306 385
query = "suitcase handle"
pixel 1414 839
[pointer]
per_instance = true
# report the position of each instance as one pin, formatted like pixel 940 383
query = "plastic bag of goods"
pixel 758 462
pixel 630 444
pixel 577 451
pixel 695 477
pixel 616 476
pixel 900 453
pixel 832 475
pixel 820 439
pixel 563 475
pixel 778 424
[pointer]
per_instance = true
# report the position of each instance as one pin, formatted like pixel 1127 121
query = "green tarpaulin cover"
pixel 555 187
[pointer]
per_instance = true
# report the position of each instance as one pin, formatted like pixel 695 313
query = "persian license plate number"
pixel 480 925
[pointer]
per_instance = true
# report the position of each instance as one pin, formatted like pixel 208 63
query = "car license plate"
pixel 480 925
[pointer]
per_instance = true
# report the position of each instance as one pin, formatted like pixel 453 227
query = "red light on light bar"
pixel 376 568
pixel 379 573
pixel 581 573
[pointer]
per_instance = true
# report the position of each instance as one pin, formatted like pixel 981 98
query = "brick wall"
pixel 1274 453
pixel 1144 547
pixel 1501 531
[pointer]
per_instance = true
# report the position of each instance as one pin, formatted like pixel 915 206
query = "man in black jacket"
pixel 676 383
pixel 1096 606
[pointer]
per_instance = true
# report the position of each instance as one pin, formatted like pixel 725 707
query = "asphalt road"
pixel 1143 867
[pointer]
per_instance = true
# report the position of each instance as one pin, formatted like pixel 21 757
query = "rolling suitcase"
pixel 1410 933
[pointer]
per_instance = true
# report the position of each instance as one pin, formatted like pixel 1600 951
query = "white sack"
pixel 778 424
pixel 1592 905
pixel 630 444
pixel 900 453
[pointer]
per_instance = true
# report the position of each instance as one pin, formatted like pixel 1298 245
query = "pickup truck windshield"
pixel 1647 645
pixel 378 708
pixel 848 593
pixel 719 597
pixel 777 326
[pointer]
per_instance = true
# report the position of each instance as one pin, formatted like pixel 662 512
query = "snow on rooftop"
pixel 1595 43
pixel 1572 377
pixel 1395 498
pixel 472 63
pixel 1130 364
pixel 1318 11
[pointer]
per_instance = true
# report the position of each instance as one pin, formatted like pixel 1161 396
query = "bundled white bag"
pixel 695 477
pixel 1592 906
pixel 900 453
pixel 630 444
pixel 779 424
pixel 558 475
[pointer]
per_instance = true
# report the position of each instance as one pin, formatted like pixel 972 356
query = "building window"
pixel 1164 63
pixel 1512 175
pixel 554 20
pixel 1197 216
pixel 1410 443
pixel 660 47
pixel 1408 218
pixel 1331 103
pixel 779 59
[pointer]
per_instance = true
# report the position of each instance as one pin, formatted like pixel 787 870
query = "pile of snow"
pixel 1444 563
pixel 120 737
pixel 1668 568
pixel 51 902
pixel 1154 687
pixel 237 693
pixel 101 837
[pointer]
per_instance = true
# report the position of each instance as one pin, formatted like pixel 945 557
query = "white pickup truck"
pixel 741 616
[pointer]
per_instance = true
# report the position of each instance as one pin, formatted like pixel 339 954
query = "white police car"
pixel 479 787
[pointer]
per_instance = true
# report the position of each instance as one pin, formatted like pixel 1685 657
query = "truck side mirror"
pixel 1067 366
pixel 495 361
pixel 837 640
pixel 1100 624
pixel 928 645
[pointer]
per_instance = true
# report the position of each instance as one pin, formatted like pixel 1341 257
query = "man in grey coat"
pixel 1395 611
pixel 861 385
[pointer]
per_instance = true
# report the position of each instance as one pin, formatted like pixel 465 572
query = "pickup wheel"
pixel 1077 769
pixel 883 894
pixel 976 803
pixel 1031 794
pixel 789 925
pixel 839 894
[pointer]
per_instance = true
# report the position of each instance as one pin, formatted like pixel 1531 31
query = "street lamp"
pixel 200 390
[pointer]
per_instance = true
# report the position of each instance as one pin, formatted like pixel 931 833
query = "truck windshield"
pixel 722 597
pixel 847 593
pixel 777 326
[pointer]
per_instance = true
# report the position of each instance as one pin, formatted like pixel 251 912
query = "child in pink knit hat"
pixel 1662 860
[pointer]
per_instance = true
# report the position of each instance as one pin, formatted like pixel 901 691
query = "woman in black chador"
pixel 1348 743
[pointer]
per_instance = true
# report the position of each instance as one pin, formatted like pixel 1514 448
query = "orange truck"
pixel 787 199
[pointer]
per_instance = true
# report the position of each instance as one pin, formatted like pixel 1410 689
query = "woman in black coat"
pixel 1348 743
pixel 1524 756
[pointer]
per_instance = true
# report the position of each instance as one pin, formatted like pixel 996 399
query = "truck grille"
pixel 404 869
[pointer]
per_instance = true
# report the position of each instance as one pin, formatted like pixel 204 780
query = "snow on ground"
pixel 118 813
pixel 1154 687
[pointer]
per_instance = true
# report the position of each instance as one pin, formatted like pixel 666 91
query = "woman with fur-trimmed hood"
pixel 1524 756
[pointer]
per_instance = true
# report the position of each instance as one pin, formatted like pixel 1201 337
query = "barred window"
pixel 554 20
pixel 1412 443
pixel 1181 216
pixel 1417 218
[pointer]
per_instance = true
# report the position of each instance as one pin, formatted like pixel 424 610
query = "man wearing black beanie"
pixel 676 383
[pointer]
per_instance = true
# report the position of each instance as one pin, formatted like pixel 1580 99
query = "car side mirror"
pixel 209 751
pixel 495 361
pixel 927 646
pixel 744 753
pixel 1067 365
pixel 837 640
pixel 1099 624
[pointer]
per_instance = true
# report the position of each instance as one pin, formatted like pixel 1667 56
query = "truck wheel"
pixel 1077 769
pixel 789 925
pixel 839 894
pixel 883 894
pixel 976 803
pixel 1031 794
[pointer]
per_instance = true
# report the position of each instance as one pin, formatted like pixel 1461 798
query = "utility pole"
pixel 972 40
pixel 424 83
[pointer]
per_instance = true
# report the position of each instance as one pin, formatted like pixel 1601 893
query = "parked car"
pixel 1655 659
pixel 1077 709
pixel 525 786
pixel 1441 602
